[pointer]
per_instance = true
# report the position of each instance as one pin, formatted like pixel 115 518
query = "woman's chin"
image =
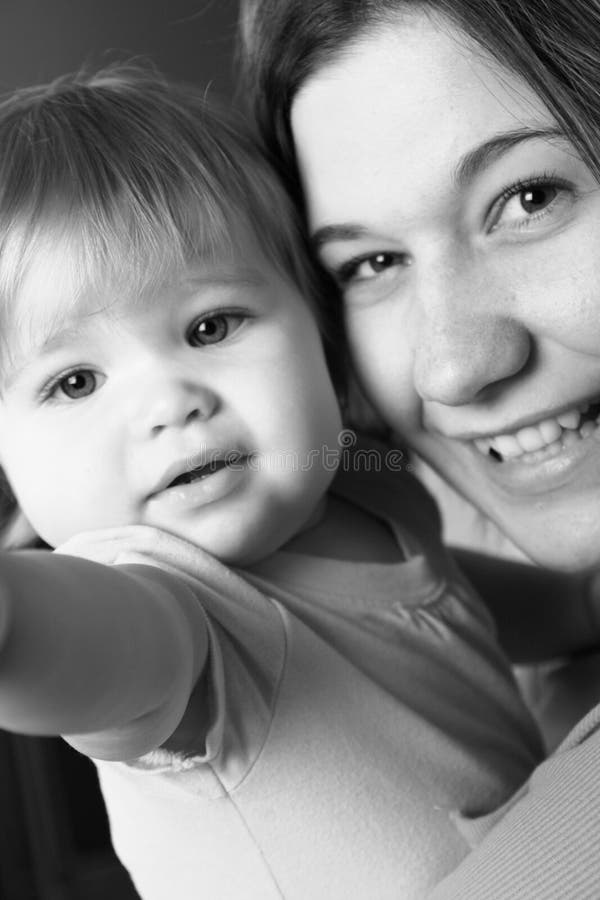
pixel 556 538
pixel 548 507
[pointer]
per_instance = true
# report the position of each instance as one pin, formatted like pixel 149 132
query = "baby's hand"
pixel 116 546
pixel 139 544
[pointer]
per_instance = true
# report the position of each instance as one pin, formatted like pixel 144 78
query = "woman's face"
pixel 464 231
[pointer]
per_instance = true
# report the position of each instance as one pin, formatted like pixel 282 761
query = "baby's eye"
pixel 375 265
pixel 213 329
pixel 525 204
pixel 77 384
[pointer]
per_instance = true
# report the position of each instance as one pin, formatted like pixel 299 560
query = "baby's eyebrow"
pixel 55 339
pixel 64 331
pixel 223 278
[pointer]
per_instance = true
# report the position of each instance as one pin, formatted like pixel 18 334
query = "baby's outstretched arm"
pixel 89 648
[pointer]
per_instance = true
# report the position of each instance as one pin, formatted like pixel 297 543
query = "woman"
pixel 449 154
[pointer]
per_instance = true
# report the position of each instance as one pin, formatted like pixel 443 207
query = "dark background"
pixel 187 39
pixel 54 840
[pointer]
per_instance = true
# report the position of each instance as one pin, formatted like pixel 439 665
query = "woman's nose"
pixel 457 363
pixel 171 403
pixel 466 345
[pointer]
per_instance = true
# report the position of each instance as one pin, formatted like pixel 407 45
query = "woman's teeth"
pixel 551 435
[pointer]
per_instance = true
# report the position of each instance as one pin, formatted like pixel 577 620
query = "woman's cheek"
pixel 381 358
pixel 553 286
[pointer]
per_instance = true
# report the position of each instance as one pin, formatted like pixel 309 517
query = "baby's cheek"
pixel 61 505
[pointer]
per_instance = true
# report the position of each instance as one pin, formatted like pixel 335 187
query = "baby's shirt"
pixel 350 714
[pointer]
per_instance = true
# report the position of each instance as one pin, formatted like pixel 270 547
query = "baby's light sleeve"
pixel 223 728
pixel 92 650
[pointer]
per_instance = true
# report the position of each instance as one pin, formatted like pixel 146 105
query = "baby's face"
pixel 203 409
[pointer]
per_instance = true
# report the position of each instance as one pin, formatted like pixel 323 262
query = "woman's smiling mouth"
pixel 547 438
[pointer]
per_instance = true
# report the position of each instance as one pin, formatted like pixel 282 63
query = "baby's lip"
pixel 194 467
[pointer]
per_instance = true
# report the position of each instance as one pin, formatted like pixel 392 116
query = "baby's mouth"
pixel 544 439
pixel 205 470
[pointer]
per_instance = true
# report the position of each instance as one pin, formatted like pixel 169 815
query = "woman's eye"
pixel 77 384
pixel 368 267
pixel 213 329
pixel 524 204
pixel 534 199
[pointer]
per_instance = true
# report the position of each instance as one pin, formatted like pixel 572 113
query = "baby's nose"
pixel 171 404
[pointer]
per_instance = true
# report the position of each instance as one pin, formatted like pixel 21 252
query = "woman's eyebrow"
pixel 483 155
pixel 469 166
pixel 343 232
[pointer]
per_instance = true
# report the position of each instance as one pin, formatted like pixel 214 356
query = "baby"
pixel 251 625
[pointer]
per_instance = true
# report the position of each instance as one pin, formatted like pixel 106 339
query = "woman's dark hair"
pixel 554 45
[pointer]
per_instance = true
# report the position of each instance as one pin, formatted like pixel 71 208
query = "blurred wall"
pixel 188 39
